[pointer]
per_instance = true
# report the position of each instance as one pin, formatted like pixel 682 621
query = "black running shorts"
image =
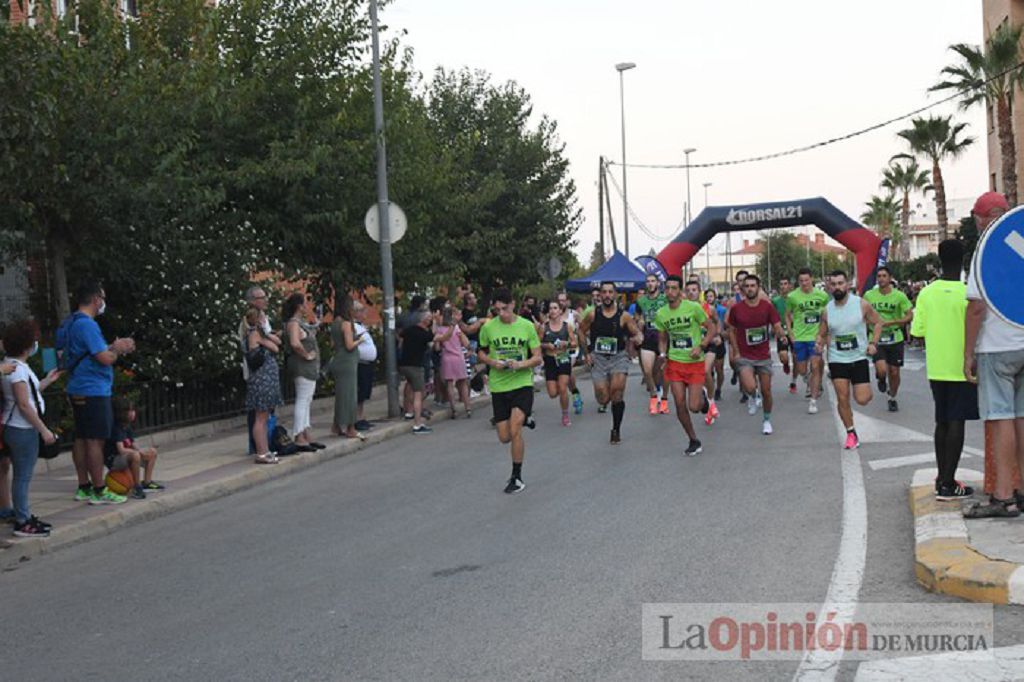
pixel 502 403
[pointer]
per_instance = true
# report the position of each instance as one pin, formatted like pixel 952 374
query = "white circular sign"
pixel 396 216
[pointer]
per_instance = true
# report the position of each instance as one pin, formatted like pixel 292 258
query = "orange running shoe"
pixel 664 406
pixel 653 407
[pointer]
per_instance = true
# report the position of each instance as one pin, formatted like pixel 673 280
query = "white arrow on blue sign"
pixel 1000 266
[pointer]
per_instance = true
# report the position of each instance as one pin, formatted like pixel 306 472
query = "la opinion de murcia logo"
pixel 750 216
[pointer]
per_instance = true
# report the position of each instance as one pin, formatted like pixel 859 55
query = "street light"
pixel 688 214
pixel 621 67
pixel 707 254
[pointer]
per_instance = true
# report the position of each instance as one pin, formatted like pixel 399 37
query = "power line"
pixel 643 227
pixel 789 152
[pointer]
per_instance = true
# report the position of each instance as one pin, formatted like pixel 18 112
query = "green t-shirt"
pixel 649 308
pixel 891 306
pixel 780 306
pixel 684 327
pixel 939 320
pixel 806 310
pixel 514 341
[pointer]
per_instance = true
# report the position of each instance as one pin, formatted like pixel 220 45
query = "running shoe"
pixel 408 416
pixel 852 442
pixel 744 398
pixel 530 423
pixel 734 379
pixel 615 438
pixel 757 398
pixel 153 485
pixel 653 407
pixel 812 406
pixel 107 497
pixel 792 388
pixel 953 492
pixel 421 429
pixel 28 529
pixel 766 428
pixel 883 385
pixel 664 406
pixel 713 411
pixel 694 448
pixel 751 407
pixel 577 403
pixel 565 420
pixel 39 522
pixel 893 405
pixel 601 409
pixel 515 485
pixel 807 394
pixel 137 493
pixel 83 495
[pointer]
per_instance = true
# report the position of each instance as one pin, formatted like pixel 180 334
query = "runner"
pixel 896 311
pixel 782 342
pixel 693 295
pixel 680 326
pixel 572 317
pixel 609 329
pixel 558 340
pixel 737 296
pixel 720 350
pixel 510 348
pixel 843 328
pixel 803 317
pixel 749 346
pixel 648 305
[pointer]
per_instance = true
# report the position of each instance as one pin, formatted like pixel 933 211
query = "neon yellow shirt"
pixel 939 320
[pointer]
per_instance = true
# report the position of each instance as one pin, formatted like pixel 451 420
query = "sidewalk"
pixel 976 559
pixel 197 464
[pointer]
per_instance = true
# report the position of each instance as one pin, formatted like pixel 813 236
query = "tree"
pixel 903 179
pixel 937 139
pixel 882 214
pixel 992 76
pixel 596 257
pixel 968 232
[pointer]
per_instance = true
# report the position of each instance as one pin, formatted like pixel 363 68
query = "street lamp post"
pixel 688 214
pixel 621 68
pixel 707 253
pixel 384 221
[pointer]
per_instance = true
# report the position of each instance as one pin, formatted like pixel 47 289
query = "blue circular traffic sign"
pixel 1000 266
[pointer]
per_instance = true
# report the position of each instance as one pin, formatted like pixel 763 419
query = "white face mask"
pixel 102 308
pixel 35 349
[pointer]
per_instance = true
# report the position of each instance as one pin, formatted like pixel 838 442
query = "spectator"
pixel 123 453
pixel 303 366
pixel 255 297
pixel 263 388
pixel 90 366
pixel 344 367
pixel 416 340
pixel 23 409
pixel 453 344
pixel 994 358
pixel 364 372
pixel 432 360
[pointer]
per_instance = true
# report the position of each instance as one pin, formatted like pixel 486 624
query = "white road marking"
pixel 874 430
pixel 1001 663
pixel 1016 242
pixel 848 572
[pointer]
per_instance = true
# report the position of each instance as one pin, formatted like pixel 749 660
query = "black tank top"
pixel 607 328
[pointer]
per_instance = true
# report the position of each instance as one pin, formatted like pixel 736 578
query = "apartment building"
pixel 996 12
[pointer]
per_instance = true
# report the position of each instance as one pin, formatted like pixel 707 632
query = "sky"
pixel 731 79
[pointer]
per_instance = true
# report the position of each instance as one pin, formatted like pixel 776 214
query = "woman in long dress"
pixel 345 368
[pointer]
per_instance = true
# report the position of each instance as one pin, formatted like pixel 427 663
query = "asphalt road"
pixel 406 561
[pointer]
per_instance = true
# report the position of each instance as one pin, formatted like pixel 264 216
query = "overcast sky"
pixel 732 79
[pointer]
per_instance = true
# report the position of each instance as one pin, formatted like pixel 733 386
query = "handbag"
pixel 46 451
pixel 255 358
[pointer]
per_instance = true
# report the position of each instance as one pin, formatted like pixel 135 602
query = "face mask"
pixel 838 295
pixel 35 349
pixel 102 308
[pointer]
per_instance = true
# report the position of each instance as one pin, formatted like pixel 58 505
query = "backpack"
pixel 282 443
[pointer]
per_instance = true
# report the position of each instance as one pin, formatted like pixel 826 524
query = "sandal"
pixel 994 508
pixel 268 458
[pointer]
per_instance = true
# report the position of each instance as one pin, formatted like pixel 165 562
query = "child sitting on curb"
pixel 123 453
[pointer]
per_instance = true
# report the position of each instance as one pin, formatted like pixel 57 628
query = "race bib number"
pixel 887 338
pixel 509 354
pixel 682 343
pixel 812 318
pixel 846 342
pixel 757 335
pixel 606 345
pixel 562 359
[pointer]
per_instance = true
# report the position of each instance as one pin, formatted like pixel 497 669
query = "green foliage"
pixel 882 213
pixel 921 269
pixel 788 256
pixel 968 232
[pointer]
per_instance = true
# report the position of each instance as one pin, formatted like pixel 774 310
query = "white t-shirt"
pixel 996 335
pixel 22 374
pixel 367 349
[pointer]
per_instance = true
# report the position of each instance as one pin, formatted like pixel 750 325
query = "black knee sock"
pixel 953 449
pixel 517 470
pixel 941 458
pixel 618 409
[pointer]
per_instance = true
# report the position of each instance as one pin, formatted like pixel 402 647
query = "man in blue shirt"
pixel 89 361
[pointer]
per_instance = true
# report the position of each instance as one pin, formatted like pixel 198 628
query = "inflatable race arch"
pixel 865 244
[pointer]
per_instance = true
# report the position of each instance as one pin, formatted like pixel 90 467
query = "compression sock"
pixel 954 448
pixel 618 409
pixel 517 470
pixel 767 416
pixel 941 459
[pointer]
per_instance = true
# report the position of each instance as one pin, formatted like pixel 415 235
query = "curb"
pixel 944 560
pixel 19 551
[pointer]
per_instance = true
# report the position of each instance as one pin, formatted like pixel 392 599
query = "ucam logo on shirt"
pixel 749 216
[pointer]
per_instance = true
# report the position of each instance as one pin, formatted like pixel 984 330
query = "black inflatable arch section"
pixel 713 220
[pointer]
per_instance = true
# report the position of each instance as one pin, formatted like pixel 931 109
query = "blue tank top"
pixel 847 330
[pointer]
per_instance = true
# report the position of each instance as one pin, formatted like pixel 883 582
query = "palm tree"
pixel 937 138
pixel 992 76
pixel 882 214
pixel 902 180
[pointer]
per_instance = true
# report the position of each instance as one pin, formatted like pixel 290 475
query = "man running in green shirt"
pixel 510 348
pixel 939 320
pixel 648 304
pixel 803 317
pixel 896 311
pixel 782 342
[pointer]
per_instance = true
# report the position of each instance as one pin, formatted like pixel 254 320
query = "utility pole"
pixel 622 68
pixel 600 199
pixel 707 247
pixel 384 220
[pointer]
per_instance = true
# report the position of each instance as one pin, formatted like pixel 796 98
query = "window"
pixel 130 8
pixel 60 7
pixel 991 117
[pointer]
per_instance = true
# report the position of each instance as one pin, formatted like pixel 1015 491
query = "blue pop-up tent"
pixel 628 276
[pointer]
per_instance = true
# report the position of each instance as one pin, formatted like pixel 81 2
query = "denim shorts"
pixel 804 351
pixel 1001 385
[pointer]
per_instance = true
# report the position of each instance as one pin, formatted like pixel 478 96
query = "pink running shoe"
pixel 713 410
pixel 852 442
pixel 565 420
pixel 664 407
